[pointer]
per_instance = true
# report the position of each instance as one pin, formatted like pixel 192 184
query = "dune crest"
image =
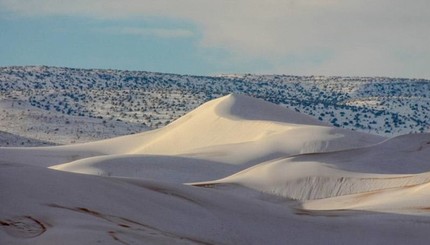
pixel 264 168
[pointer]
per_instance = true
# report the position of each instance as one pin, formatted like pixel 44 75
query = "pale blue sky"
pixel 206 37
pixel 92 43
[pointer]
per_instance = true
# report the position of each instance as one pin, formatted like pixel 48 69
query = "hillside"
pixel 98 104
pixel 7 138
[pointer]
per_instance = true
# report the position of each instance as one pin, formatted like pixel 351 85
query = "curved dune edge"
pixel 233 129
pixel 411 199
pixel 129 190
pixel 306 181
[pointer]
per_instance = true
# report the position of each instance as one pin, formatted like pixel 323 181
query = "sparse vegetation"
pixel 387 106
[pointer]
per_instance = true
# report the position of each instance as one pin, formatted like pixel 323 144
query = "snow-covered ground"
pixel 236 170
pixel 65 105
pixel 32 126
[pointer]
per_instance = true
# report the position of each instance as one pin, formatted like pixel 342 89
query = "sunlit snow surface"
pixel 236 170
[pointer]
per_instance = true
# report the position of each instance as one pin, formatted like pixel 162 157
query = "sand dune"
pixel 309 181
pixel 86 209
pixel 274 176
pixel 172 169
pixel 345 172
pixel 234 129
pixel 410 199
pixel 244 123
pixel 403 154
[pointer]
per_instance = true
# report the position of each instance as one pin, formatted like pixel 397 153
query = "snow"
pixel 65 105
pixel 411 199
pixel 236 170
pixel 309 181
pixel 41 127
pixel 84 209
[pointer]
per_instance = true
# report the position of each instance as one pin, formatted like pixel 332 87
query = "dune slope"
pixel 326 175
pixel 272 176
pixel 233 129
pixel 45 206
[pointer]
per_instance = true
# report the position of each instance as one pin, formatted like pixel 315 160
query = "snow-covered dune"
pixel 324 175
pixel 409 199
pixel 309 181
pixel 276 177
pixel 42 206
pixel 242 122
pixel 234 129
pixel 403 154
pixel 172 169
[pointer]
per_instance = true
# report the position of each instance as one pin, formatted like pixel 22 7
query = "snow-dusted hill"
pixel 235 170
pixel 83 105
pixel 7 138
pixel 52 127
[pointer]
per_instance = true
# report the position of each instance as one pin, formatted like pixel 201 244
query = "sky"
pixel 210 37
